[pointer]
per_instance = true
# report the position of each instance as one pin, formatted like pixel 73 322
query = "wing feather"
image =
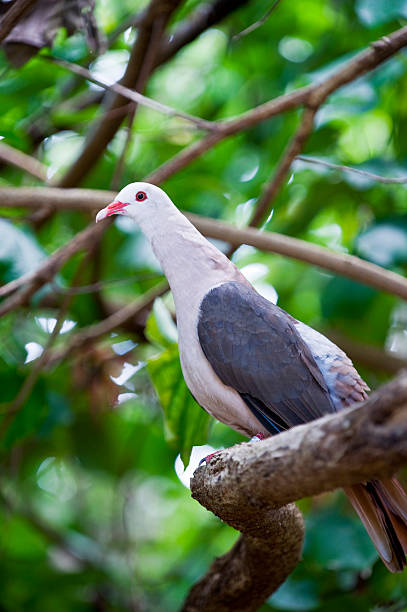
pixel 254 347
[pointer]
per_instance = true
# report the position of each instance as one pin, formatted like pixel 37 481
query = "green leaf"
pixel 186 424
pixel 161 329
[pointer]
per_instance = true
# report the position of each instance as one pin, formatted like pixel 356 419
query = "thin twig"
pixel 134 96
pixel 374 177
pixel 295 146
pixel 257 24
pixel 25 286
pixel 114 321
pixel 346 265
pixel 97 286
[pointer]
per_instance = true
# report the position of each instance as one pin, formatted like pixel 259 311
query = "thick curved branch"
pixel 364 442
pixel 346 265
pixel 257 565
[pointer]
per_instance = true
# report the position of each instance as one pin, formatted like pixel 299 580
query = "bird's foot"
pixel 208 457
pixel 258 437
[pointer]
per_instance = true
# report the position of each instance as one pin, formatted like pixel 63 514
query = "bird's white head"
pixel 138 201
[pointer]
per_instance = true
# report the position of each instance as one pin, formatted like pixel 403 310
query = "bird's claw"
pixel 258 437
pixel 207 458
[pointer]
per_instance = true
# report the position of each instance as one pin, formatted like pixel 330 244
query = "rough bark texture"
pixel 248 486
pixel 235 580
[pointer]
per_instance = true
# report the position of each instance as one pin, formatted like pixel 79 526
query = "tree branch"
pixel 114 321
pixel 267 552
pixel 369 175
pixel 257 24
pixel 346 265
pixel 372 356
pixel 135 96
pixel 13 15
pixel 311 96
pixel 205 16
pixel 30 282
pixel 284 165
pixel 142 58
pixel 21 160
pixel 364 442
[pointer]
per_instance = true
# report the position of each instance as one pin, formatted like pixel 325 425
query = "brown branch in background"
pixel 312 96
pixel 205 16
pixel 369 175
pixel 13 15
pixel 346 265
pixel 21 160
pixel 114 321
pixel 273 187
pixel 371 356
pixel 367 441
pixel 184 158
pixel 85 200
pixel 139 67
pixel 257 24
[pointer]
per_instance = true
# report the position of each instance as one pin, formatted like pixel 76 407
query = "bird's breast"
pixel 221 401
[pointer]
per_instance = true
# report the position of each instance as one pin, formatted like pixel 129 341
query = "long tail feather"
pixel 382 507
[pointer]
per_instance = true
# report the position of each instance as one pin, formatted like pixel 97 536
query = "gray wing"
pixel 254 347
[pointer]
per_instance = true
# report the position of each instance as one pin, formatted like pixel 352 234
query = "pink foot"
pixel 209 457
pixel 258 437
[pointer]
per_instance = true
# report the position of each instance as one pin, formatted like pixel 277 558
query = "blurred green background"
pixel 93 514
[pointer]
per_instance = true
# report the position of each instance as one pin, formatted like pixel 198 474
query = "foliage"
pixel 93 513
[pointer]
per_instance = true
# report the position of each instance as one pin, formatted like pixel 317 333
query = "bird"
pixel 250 364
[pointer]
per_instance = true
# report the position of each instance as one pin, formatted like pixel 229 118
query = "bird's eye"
pixel 140 196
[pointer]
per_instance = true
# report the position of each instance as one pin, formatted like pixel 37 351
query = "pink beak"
pixel 111 209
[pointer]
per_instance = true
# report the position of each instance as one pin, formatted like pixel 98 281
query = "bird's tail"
pixel 382 507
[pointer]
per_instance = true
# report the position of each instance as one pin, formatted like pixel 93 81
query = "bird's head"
pixel 137 200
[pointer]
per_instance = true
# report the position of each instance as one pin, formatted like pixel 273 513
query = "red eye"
pixel 140 196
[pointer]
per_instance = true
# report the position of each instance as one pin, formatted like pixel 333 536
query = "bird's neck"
pixel 191 263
